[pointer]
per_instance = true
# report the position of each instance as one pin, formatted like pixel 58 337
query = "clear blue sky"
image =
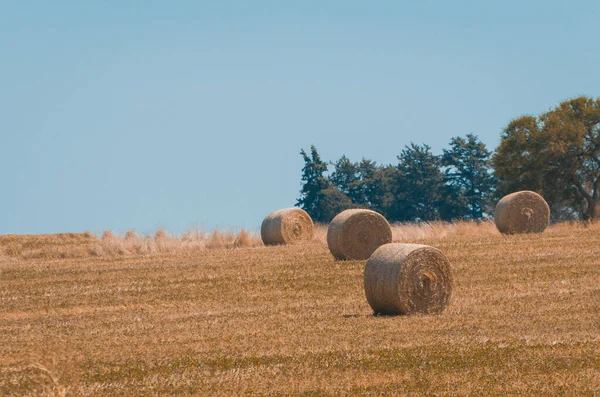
pixel 123 114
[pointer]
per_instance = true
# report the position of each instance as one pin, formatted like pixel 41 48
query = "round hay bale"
pixel 286 226
pixel 357 233
pixel 408 278
pixel 522 212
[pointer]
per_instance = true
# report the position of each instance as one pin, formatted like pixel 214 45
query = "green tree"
pixel 366 184
pixel 332 201
pixel 377 186
pixel 347 178
pixel 516 165
pixel 469 178
pixel 556 154
pixel 314 183
pixel 419 187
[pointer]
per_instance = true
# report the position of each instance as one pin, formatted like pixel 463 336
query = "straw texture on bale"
pixel 357 233
pixel 522 212
pixel 286 226
pixel 407 279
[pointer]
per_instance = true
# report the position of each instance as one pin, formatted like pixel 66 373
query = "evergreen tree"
pixel 347 178
pixel 332 201
pixel 314 182
pixel 318 196
pixel 366 184
pixel 377 184
pixel 469 179
pixel 420 185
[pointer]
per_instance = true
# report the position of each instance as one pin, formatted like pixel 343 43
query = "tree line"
pixel 556 154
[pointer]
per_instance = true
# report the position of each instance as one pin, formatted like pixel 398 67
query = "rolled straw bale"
pixel 408 278
pixel 286 226
pixel 357 233
pixel 522 212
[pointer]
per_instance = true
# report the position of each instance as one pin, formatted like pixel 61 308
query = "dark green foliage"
pixel 514 164
pixel 366 184
pixel 556 154
pixel 468 177
pixel 378 184
pixel 332 201
pixel 315 182
pixel 348 179
pixel 419 185
pixel 422 186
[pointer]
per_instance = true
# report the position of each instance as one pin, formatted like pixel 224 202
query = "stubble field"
pixel 113 316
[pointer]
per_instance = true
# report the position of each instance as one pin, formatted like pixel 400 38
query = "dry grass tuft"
pixel 160 234
pixel 131 235
pixel 320 234
pixel 216 241
pixel 107 235
pixel 243 240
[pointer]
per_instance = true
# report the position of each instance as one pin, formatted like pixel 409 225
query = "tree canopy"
pixel 556 154
pixel 421 186
pixel 468 174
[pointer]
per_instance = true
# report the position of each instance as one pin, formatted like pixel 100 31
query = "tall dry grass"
pixel 162 242
pixel 411 232
pixel 426 231
pixel 109 244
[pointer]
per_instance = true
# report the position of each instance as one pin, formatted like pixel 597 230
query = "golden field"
pixel 221 314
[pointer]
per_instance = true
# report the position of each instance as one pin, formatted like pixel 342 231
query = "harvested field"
pixel 290 320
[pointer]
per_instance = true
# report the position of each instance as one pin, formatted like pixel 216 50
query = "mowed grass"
pixel 283 321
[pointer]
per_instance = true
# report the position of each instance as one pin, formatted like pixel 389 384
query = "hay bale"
pixel 408 278
pixel 357 233
pixel 522 212
pixel 286 226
